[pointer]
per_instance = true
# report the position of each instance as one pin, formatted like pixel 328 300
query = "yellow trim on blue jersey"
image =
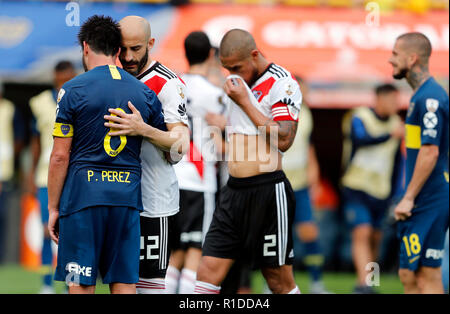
pixel 62 130
pixel 114 72
pixel 446 176
pixel 413 138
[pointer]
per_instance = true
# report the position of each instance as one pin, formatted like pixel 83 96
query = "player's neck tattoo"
pixel 417 76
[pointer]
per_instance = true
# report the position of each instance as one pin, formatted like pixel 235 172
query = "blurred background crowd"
pixel 339 49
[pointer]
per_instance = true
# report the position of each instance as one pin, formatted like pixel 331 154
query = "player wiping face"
pixel 268 106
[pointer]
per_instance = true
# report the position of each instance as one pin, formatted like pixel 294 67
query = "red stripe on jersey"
pixel 181 80
pixel 263 89
pixel 280 112
pixel 195 157
pixel 156 83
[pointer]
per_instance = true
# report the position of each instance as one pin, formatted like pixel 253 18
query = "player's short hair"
pixel 237 41
pixel 419 43
pixel 197 47
pixel 385 89
pixel 102 34
pixel 64 65
pixel 1 87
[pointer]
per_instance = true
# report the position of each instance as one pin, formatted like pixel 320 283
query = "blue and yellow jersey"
pixel 103 170
pixel 427 123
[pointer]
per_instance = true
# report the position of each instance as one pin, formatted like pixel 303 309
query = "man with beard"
pixel 94 180
pixel 160 193
pixel 254 215
pixel 422 213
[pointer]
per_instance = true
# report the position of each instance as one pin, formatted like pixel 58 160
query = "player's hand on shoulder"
pixel 236 90
pixel 122 123
pixel 403 209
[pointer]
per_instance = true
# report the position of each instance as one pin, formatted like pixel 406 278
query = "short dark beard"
pixel 401 75
pixel 140 64
pixel 254 77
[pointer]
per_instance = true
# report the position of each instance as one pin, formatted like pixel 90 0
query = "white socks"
pixel 296 290
pixel 172 276
pixel 150 286
pixel 187 281
pixel 206 288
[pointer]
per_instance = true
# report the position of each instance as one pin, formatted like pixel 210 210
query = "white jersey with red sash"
pixel 160 192
pixel 276 94
pixel 196 171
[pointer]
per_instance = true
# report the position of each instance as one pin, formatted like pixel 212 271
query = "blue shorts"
pixel 362 209
pixel 102 238
pixel 422 236
pixel 42 194
pixel 303 209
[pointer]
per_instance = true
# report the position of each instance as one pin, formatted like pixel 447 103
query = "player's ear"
pixel 413 59
pixel 151 43
pixel 85 48
pixel 254 54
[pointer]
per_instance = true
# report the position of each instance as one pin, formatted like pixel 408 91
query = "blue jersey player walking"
pixel 94 178
pixel 423 213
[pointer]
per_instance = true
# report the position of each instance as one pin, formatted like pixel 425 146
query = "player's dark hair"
pixel 64 65
pixel 197 47
pixel 385 89
pixel 102 34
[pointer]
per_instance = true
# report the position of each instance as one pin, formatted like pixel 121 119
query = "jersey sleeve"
pixel 285 99
pixel 64 113
pixel 156 118
pixel 173 98
pixel 361 137
pixel 431 118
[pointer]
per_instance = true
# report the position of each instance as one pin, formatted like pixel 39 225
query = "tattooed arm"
pixel 285 130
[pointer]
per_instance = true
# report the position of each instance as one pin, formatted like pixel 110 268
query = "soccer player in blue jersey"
pixel 94 178
pixel 422 214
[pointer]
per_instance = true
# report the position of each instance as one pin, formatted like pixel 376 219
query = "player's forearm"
pixel 57 173
pixel 285 130
pixel 425 163
pixel 176 140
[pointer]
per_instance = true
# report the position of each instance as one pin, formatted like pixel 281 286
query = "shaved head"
pixel 133 26
pixel 237 41
pixel 136 44
pixel 416 43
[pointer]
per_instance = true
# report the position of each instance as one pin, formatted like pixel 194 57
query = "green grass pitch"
pixel 16 280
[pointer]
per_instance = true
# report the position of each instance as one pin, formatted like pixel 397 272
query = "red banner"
pixel 319 44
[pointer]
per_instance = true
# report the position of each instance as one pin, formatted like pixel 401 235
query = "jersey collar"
pixel 151 67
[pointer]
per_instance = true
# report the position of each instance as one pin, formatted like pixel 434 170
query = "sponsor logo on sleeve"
pixel 182 109
pixel 289 89
pixel 60 95
pixel 432 104
pixel 430 120
pixel 180 91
